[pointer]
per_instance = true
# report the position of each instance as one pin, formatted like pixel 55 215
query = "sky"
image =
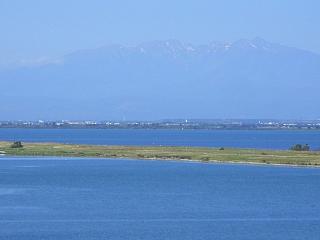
pixel 37 30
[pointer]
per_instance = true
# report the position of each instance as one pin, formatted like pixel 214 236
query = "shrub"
pixel 16 145
pixel 222 148
pixel 300 147
pixel 306 147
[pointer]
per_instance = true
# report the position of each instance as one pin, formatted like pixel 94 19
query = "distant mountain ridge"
pixel 167 79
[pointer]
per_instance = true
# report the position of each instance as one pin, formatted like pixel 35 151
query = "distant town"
pixel 236 124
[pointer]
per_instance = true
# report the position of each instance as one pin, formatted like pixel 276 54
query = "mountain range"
pixel 167 79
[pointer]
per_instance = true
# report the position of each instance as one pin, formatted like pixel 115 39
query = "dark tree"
pixel 306 147
pixel 16 145
pixel 300 147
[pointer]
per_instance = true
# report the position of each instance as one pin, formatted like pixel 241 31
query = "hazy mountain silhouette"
pixel 167 79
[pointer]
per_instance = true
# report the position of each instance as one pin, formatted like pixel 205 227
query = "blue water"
pixel 209 138
pixel 86 199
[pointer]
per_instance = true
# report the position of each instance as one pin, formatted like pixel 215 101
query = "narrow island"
pixel 202 154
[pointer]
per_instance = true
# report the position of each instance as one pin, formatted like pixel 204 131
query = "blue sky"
pixel 36 28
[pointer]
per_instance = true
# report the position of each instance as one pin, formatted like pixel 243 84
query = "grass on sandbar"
pixel 175 153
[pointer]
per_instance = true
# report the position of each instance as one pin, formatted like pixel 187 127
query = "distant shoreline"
pixel 212 127
pixel 195 154
pixel 170 124
pixel 163 128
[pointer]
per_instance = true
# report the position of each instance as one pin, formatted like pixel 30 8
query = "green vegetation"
pixel 306 158
pixel 300 147
pixel 16 145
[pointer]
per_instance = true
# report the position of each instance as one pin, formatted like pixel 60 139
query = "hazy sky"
pixel 37 28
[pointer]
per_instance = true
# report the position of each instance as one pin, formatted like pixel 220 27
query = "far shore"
pixel 196 154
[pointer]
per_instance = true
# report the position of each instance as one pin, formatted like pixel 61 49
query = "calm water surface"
pixel 209 138
pixel 85 199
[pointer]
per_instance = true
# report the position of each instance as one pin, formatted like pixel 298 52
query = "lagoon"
pixel 86 199
pixel 260 139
